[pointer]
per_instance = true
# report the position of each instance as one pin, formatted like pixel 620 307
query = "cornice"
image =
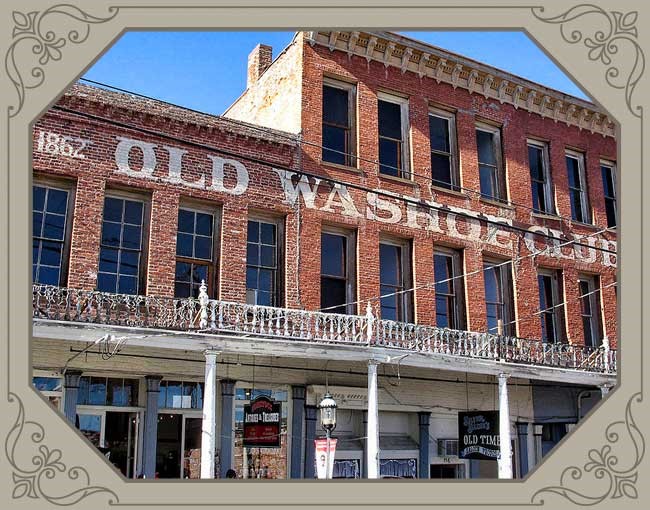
pixel 425 60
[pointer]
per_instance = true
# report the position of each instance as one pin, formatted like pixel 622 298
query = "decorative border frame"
pixel 48 46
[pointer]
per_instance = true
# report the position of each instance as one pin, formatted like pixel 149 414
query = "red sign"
pixel 262 423
pixel 323 470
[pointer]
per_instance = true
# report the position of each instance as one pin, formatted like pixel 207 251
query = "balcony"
pixel 239 320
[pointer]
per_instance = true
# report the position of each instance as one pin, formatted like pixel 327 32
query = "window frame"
pixel 557 312
pixel 595 303
pixel 350 264
pixel 611 166
pixel 458 296
pixel 71 188
pixel 351 159
pixel 405 299
pixel 506 283
pixel 548 181
pixel 497 147
pixel 279 222
pixel 585 206
pixel 403 171
pixel 144 240
pixel 214 264
pixel 450 117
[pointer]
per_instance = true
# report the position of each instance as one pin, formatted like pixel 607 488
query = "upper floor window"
pixel 491 174
pixel 393 136
pixel 540 177
pixel 589 288
pixel 550 298
pixel 195 253
pixel 339 143
pixel 442 137
pixel 50 213
pixel 608 172
pixel 337 272
pixel 121 257
pixel 450 308
pixel 263 251
pixel 395 280
pixel 499 302
pixel 575 164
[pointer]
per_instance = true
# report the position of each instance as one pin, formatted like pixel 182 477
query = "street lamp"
pixel 327 408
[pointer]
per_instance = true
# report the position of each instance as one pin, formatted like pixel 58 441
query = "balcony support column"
pixel 505 458
pixel 209 424
pixel 150 433
pixel 70 394
pixel 372 450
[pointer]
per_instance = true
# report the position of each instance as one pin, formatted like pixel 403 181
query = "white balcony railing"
pixel 237 319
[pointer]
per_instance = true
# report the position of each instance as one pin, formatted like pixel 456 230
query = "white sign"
pixel 323 470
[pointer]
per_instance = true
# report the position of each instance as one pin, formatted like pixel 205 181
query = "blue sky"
pixel 206 71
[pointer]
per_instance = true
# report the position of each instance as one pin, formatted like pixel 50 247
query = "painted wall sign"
pixel 262 423
pixel 226 175
pixel 478 435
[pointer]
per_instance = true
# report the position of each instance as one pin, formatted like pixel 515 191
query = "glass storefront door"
pixel 178 451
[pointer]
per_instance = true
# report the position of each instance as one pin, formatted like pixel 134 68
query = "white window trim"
pixel 406 130
pixel 453 145
pixel 548 187
pixel 584 191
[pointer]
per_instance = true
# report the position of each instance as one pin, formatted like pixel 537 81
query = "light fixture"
pixel 327 408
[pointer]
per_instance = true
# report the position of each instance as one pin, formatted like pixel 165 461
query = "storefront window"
pixel 102 391
pixel 260 462
pixel 180 395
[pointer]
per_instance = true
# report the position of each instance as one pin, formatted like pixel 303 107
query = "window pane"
pixel 51 253
pixel 333 255
pixel 183 245
pixel 390 119
pixel 48 275
pixel 608 181
pixel 129 262
pixel 334 138
pixel 108 260
pixel 253 231
pixel 439 133
pixel 441 170
pixel 485 145
pixel 536 163
pixel 106 282
pixel 111 234
pixel 263 298
pixel 576 205
pixel 492 290
pixel 252 254
pixel 265 280
pixel 38 198
pixel 267 256
pixel 97 391
pixel 203 248
pixel 204 224
pixel 268 233
pixel 131 237
pixel 37 224
pixel 332 293
pixel 116 394
pixel 442 312
pixel 442 267
pixel 112 209
pixel 127 285
pixel 389 157
pixel 57 201
pixel 251 277
pixel 335 105
pixel 199 273
pixel 389 263
pixel 54 225
pixel 610 210
pixel 183 271
pixel 133 212
pixel 182 290
pixel 488 181
pixel 573 169
pixel 185 221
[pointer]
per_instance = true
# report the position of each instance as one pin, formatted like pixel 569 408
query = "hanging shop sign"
pixel 323 469
pixel 262 423
pixel 478 435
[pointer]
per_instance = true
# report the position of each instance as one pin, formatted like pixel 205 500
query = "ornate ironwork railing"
pixel 240 319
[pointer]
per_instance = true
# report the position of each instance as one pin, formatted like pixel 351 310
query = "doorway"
pixel 178 449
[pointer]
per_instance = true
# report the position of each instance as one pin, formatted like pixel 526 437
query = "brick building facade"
pixel 354 166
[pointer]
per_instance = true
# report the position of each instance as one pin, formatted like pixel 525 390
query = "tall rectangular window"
pixel 540 177
pixel 499 302
pixel 395 279
pixel 50 212
pixel 608 172
pixel 491 174
pixel 575 164
pixel 589 287
pixel 442 136
pixel 393 136
pixel 450 302
pixel 337 272
pixel 339 117
pixel 551 313
pixel 121 248
pixel 195 253
pixel 263 262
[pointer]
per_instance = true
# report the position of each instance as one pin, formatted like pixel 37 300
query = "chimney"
pixel 259 61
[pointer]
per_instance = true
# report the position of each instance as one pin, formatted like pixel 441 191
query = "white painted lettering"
pixel 122 152
pixel 303 187
pixel 376 203
pixel 175 169
pixel 345 202
pixel 218 176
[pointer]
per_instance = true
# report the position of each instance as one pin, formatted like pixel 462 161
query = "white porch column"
pixel 530 446
pixel 505 460
pixel 208 426
pixel 372 450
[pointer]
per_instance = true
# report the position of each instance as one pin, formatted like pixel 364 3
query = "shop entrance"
pixel 115 434
pixel 447 471
pixel 178 450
